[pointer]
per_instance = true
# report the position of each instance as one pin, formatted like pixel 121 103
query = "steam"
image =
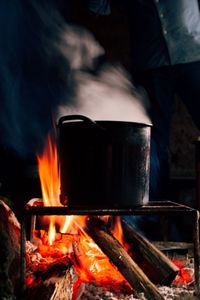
pixel 108 95
pixel 47 71
pixel 79 48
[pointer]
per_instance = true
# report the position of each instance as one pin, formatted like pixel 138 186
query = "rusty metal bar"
pixel 33 224
pixel 165 208
pixel 197 169
pixel 196 246
pixel 23 258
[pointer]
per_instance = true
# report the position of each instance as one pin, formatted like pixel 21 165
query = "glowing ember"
pixel 93 264
pixel 185 275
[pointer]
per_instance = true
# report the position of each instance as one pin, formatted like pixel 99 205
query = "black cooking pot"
pixel 103 164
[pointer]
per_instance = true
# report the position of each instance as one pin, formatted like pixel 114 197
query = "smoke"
pixel 39 52
pixel 108 95
pixel 45 72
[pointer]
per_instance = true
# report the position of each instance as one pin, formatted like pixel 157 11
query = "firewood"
pixel 56 284
pixel 9 252
pixel 124 263
pixel 159 268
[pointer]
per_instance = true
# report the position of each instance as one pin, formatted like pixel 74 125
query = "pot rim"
pixel 125 122
pixel 62 120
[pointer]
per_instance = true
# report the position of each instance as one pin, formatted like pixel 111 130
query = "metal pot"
pixel 103 164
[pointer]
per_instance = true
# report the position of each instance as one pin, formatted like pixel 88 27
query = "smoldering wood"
pixel 40 268
pixel 124 263
pixel 56 284
pixel 163 269
pixel 9 252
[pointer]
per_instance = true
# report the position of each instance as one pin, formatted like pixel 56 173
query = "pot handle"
pixel 78 118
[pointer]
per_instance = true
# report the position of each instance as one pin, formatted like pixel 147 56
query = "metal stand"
pixel 158 208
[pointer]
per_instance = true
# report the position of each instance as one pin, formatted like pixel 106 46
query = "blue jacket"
pixel 163 32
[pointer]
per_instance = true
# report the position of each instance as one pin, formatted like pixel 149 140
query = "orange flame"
pixel 117 231
pixel 50 185
pixel 49 174
pixel 52 231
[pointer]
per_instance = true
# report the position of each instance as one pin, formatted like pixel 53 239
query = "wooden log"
pixel 159 268
pixel 56 284
pixel 9 252
pixel 124 263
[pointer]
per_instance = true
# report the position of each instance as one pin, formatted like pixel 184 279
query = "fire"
pixel 118 232
pixel 48 168
pixel 52 231
pixel 49 174
pixel 66 235
pixel 67 238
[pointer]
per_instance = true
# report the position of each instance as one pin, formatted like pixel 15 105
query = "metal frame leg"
pixel 196 252
pixel 23 258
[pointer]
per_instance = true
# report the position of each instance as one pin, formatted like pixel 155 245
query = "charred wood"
pixel 56 284
pixel 156 265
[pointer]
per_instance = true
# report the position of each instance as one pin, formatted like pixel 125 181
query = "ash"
pixel 177 293
pixel 90 291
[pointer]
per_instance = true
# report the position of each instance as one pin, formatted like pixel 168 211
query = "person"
pixel 165 54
